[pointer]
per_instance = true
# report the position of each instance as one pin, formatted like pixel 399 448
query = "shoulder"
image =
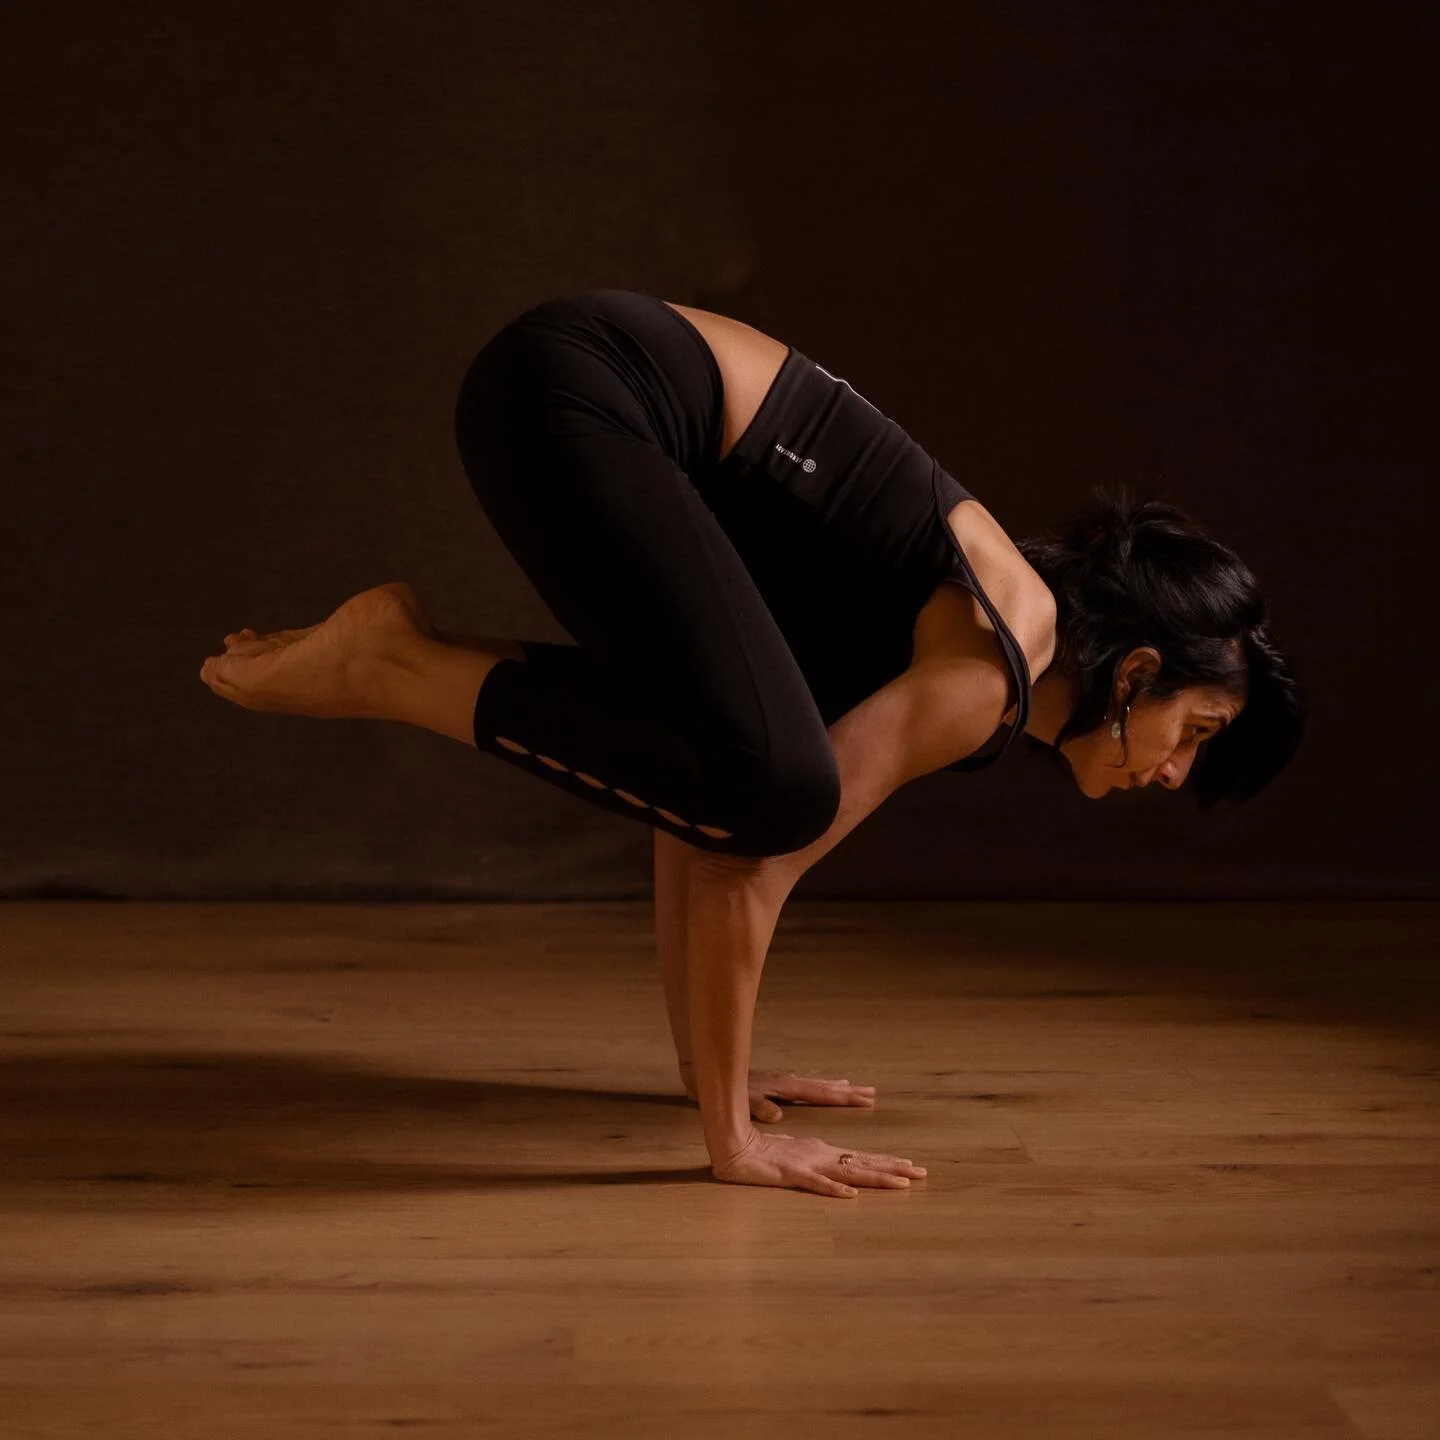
pixel 924 719
pixel 953 625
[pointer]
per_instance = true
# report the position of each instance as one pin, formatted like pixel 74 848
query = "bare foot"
pixel 329 671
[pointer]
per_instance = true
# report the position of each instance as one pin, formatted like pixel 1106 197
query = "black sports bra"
pixel 1014 655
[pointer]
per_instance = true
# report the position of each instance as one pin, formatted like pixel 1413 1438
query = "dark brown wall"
pixel 250 251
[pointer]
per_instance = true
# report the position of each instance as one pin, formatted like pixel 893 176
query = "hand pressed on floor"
pixel 800 1162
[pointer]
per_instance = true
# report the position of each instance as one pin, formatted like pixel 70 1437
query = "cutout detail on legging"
pixel 712 830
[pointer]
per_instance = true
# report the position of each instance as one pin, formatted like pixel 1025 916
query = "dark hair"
pixel 1127 572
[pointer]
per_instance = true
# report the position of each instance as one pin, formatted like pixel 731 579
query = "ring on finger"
pixel 847 1157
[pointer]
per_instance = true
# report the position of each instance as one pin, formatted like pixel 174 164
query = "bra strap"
pixel 1014 655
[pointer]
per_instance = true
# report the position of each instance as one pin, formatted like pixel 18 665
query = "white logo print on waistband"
pixel 807 465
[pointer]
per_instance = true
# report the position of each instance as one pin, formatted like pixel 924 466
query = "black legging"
pixel 681 705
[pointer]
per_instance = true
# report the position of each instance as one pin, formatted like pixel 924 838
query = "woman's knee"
pixel 789 807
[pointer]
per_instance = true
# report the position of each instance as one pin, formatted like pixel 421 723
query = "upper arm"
pixel 924 719
pixel 927 717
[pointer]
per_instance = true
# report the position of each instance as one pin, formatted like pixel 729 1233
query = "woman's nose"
pixel 1173 772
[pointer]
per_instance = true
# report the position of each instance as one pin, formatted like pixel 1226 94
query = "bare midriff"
pixel 749 361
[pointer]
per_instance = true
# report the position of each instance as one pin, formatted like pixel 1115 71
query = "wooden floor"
pixel 286 1170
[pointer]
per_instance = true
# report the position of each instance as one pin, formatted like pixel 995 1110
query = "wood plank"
pixel 285 1168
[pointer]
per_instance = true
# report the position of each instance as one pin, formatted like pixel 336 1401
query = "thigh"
pixel 630 560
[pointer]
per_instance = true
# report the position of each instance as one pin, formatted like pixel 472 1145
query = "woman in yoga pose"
pixel 783 610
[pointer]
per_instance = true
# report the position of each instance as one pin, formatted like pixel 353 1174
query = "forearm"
pixel 673 863
pixel 671 936
pixel 731 913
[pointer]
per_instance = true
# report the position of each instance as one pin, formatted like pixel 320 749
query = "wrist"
pixel 728 1134
pixel 732 1149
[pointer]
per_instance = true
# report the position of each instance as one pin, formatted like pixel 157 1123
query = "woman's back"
pixel 749 361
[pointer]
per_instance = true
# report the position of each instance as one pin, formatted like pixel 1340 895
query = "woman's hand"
pixel 805 1163
pixel 783 1085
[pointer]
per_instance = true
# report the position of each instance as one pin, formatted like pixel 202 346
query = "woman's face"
pixel 1162 735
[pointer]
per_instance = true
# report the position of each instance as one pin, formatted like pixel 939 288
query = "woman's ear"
pixel 1141 663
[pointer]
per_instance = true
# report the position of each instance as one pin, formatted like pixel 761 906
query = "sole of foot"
pixel 331 670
